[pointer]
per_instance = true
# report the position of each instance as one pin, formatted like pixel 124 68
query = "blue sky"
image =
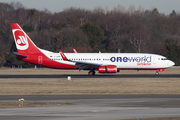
pixel 163 6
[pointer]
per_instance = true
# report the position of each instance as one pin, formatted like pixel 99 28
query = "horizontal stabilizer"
pixel 16 53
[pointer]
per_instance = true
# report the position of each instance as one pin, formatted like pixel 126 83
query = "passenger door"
pixel 40 59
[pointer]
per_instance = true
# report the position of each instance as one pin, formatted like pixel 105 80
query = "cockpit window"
pixel 164 59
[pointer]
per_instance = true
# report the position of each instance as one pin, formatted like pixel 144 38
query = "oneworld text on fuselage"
pixel 131 59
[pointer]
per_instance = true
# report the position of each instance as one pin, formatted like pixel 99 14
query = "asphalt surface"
pixel 94 107
pixel 163 100
pixel 95 76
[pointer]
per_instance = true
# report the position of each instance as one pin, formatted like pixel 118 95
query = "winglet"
pixel 63 56
pixel 74 50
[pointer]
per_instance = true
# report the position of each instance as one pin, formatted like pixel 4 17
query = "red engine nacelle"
pixel 107 69
pixel 160 70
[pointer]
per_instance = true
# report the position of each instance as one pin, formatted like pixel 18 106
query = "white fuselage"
pixel 121 60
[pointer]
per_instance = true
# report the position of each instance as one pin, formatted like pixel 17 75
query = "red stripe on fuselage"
pixel 46 62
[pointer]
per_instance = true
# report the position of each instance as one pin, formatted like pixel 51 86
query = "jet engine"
pixel 107 69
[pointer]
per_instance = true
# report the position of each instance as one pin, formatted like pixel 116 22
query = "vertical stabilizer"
pixel 23 43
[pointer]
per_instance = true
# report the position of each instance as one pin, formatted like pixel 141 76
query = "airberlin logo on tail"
pixel 21 40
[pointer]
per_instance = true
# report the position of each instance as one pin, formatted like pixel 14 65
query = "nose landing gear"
pixel 159 70
pixel 157 73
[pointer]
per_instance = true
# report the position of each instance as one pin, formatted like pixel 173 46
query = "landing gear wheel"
pixel 157 73
pixel 91 73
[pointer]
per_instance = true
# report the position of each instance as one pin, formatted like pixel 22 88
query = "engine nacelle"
pixel 107 69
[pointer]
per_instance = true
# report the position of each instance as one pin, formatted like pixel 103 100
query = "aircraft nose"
pixel 171 63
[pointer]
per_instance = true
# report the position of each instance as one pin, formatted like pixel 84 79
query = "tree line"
pixel 118 31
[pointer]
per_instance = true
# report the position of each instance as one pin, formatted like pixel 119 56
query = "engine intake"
pixel 107 69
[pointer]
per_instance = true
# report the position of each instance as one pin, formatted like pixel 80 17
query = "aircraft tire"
pixel 91 73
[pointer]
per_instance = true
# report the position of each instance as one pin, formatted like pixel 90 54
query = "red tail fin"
pixel 24 44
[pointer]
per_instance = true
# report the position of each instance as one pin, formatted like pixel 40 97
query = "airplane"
pixel 28 52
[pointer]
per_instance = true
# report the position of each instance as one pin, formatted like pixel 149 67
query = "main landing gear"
pixel 91 72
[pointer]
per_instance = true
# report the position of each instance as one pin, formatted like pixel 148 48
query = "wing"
pixel 86 65
pixel 63 56
pixel 79 64
pixel 74 50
